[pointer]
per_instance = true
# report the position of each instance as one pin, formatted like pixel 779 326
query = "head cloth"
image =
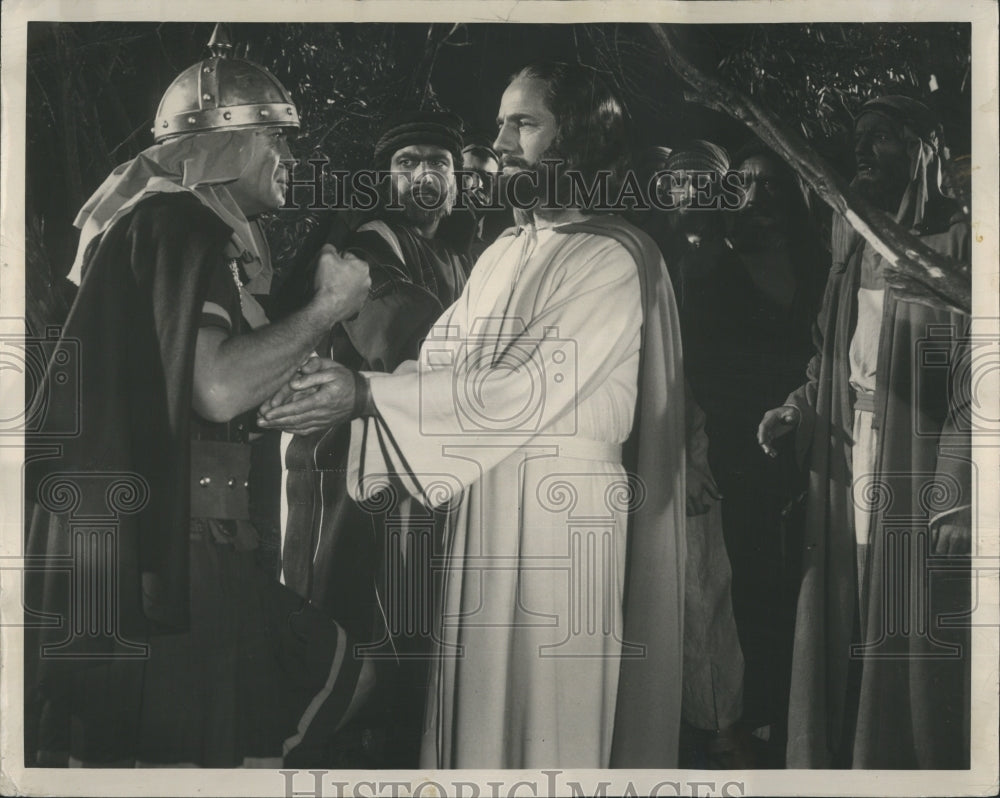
pixel 197 163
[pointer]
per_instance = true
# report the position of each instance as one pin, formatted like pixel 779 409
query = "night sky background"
pixel 93 89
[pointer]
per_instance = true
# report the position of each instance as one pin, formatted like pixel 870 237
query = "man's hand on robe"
pixel 320 396
pixel 701 489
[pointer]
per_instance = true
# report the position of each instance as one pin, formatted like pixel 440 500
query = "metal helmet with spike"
pixel 223 93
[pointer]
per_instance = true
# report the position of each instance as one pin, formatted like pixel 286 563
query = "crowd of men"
pixel 557 488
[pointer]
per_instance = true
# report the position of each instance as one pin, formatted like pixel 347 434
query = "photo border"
pixel 981 779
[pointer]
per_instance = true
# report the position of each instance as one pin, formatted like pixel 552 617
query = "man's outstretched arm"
pixel 233 374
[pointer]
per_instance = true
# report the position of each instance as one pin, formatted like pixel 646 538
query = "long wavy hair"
pixel 591 120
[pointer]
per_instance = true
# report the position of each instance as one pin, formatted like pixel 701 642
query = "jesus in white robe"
pixel 515 412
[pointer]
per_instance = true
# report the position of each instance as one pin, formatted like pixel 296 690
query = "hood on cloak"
pixel 201 164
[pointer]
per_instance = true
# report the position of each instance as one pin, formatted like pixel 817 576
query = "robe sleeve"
pixel 477 397
pixel 390 326
pixel 845 246
pixel 803 398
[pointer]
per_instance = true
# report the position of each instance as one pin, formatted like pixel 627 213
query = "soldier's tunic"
pixel 202 658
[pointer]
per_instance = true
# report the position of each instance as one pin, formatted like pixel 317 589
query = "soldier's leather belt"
pixel 219 480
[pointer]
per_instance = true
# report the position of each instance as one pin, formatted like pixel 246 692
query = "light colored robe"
pixel 545 338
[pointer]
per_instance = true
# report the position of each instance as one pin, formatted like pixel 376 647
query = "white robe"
pixel 515 411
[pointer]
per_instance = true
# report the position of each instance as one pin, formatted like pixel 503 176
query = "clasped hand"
pixel 319 396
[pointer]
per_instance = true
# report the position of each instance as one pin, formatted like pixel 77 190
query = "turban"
pixel 920 131
pixel 905 111
pixel 698 156
pixel 438 128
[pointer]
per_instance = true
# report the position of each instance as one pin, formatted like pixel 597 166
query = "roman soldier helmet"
pixel 223 93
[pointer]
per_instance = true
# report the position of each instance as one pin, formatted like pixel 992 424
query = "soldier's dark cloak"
pixel 130 337
pixel 111 511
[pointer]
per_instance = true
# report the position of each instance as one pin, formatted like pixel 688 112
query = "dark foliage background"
pixel 93 89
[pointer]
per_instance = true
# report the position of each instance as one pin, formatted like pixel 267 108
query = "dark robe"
pixel 901 699
pixel 185 650
pixel 743 353
pixel 335 554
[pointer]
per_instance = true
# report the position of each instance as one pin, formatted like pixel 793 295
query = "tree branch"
pixel 916 272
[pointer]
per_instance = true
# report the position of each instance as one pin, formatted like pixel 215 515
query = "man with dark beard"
pixel 881 671
pixel 691 240
pixel 559 636
pixel 332 552
pixel 746 317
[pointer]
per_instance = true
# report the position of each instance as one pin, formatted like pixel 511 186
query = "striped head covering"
pixel 922 134
pixel 923 207
pixel 698 155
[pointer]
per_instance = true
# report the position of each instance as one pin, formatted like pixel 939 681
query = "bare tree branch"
pixel 917 272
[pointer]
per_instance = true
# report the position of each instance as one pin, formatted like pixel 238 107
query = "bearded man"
pixel 880 678
pixel 746 313
pixel 558 636
pixel 691 240
pixel 333 554
pixel 173 647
